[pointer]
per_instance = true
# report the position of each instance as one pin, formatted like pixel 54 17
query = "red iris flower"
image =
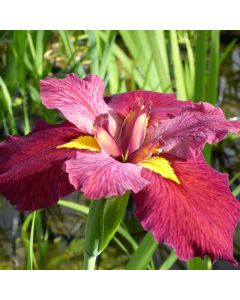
pixel 146 142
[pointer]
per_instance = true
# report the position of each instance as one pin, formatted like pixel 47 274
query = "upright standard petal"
pixel 101 176
pixel 186 134
pixel 133 129
pixel 197 217
pixel 31 174
pixel 152 144
pixel 104 136
pixel 163 106
pixel 80 100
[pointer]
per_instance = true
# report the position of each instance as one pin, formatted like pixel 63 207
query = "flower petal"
pixel 186 134
pixel 80 100
pixel 197 217
pixel 133 129
pixel 160 165
pixel 163 106
pixel 104 136
pixel 152 144
pixel 31 174
pixel 101 176
pixel 83 142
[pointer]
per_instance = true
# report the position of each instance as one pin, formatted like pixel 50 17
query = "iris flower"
pixel 145 142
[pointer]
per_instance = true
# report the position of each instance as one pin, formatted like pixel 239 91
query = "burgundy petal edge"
pixel 31 174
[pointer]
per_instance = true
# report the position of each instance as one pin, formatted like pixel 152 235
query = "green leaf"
pixel 143 255
pixel 236 191
pixel 199 264
pixel 103 221
pixel 7 104
pixel 75 206
pixel 113 214
pixel 169 262
pixel 107 53
pixel 213 68
pixel 6 99
pixel 85 210
pixel 227 51
pixel 141 52
pixel 178 66
pixel 158 46
pixel 31 259
pixel 93 51
pixel 235 177
pixel 200 66
pixel 113 73
pixel 190 66
pixel 31 240
pixel 124 233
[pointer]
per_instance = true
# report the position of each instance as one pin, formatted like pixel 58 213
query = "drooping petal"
pixel 31 174
pixel 101 176
pixel 80 100
pixel 197 217
pixel 186 134
pixel 163 106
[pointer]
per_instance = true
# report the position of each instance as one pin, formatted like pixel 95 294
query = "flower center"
pixel 133 129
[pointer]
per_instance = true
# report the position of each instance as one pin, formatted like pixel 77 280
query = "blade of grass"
pixel 236 191
pixel 145 58
pixel 113 73
pixel 200 66
pixel 93 52
pixel 4 123
pixel 7 103
pixel 142 256
pixel 214 67
pixel 75 206
pixel 39 52
pixel 227 51
pixel 25 238
pixel 159 58
pixel 128 237
pixel 104 61
pixel 234 178
pixel 169 262
pixel 191 66
pixel 121 246
pixel 162 41
pixel 69 47
pixel 178 66
pixel 42 242
pixel 138 46
pixel 70 41
pixel 125 62
pixel 31 240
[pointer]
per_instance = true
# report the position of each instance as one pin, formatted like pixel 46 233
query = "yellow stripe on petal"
pixel 162 166
pixel 86 142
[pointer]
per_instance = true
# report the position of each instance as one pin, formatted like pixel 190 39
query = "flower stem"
pixel 89 262
pixel 104 218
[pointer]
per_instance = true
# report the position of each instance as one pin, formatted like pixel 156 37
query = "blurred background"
pixel 197 65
